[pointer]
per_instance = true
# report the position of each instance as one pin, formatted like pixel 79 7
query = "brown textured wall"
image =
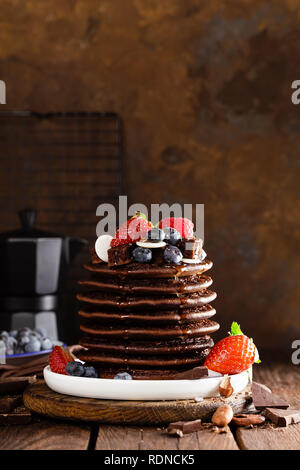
pixel 203 88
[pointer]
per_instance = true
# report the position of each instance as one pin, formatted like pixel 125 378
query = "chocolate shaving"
pixel 282 417
pixel 225 387
pixel 180 428
pixel 263 398
pixel 192 374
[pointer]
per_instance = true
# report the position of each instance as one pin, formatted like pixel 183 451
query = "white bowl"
pixel 111 389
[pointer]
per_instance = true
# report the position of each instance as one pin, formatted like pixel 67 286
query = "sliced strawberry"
pixel 233 354
pixel 59 358
pixel 132 231
pixel 184 226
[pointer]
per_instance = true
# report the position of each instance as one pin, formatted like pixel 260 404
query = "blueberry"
pixel 34 334
pixel 34 345
pixel 75 368
pixel 155 235
pixel 90 372
pixel 122 376
pixel 24 331
pixel 13 333
pixel 172 254
pixel 11 345
pixel 41 331
pixel 142 255
pixel 172 236
pixel 23 340
pixel 46 343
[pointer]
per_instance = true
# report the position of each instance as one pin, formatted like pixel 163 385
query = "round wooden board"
pixel 39 398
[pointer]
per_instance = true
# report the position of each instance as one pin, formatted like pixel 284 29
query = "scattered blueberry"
pixel 142 255
pixel 172 236
pixel 155 235
pixel 90 371
pixel 46 343
pixel 34 345
pixel 172 254
pixel 75 368
pixel 122 376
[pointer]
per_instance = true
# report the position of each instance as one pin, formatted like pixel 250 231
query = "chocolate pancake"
pixel 193 283
pixel 183 360
pixel 200 328
pixel 131 347
pixel 149 270
pixel 195 299
pixel 164 373
pixel 149 316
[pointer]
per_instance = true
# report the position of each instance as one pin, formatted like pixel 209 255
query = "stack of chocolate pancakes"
pixel 150 320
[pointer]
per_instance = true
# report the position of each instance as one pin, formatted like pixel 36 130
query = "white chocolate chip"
pixel 102 246
pixel 191 260
pixel 148 244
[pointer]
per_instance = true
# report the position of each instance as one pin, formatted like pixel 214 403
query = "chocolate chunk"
pixel 192 374
pixel 158 256
pixel 244 420
pixel 184 427
pixel 263 398
pixel 15 384
pixel 282 417
pixel 20 415
pixel 95 257
pixel 190 247
pixel 9 403
pixel 120 255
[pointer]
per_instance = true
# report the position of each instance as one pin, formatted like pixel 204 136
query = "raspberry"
pixel 184 226
pixel 132 231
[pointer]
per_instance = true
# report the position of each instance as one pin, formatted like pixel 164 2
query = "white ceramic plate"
pixel 111 389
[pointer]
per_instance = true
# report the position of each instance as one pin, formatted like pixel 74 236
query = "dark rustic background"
pixel 203 90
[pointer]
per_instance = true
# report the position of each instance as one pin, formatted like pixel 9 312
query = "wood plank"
pixel 269 438
pixel 134 438
pixel 45 435
pixel 209 440
pixel 158 439
pixel 118 438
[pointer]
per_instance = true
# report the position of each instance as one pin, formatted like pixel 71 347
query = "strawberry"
pixel 233 354
pixel 59 358
pixel 132 231
pixel 184 226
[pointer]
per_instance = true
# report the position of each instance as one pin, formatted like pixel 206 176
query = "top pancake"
pixel 149 270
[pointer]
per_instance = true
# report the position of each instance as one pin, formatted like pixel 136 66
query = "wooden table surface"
pixel 47 434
